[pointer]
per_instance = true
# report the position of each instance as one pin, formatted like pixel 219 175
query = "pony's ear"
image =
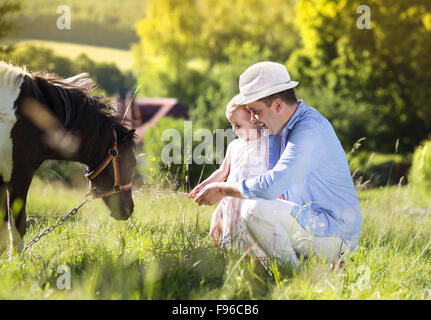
pixel 129 135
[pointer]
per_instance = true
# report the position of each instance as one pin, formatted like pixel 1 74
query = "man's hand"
pixel 214 192
pixel 210 194
pixel 197 189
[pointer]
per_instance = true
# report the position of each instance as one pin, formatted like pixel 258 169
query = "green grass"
pixel 170 255
pixel 122 58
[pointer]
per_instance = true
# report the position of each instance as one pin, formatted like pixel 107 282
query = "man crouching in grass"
pixel 320 212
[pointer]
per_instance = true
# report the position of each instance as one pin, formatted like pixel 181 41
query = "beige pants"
pixel 273 229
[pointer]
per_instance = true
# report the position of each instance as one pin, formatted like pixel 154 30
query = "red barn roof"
pixel 146 112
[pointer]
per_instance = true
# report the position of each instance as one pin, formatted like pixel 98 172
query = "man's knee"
pixel 250 209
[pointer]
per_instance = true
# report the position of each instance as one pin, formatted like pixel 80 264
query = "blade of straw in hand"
pixel 130 102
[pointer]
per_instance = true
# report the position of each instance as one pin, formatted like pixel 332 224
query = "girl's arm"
pixel 219 175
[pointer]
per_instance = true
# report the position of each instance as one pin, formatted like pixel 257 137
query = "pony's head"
pixel 106 144
pixel 112 178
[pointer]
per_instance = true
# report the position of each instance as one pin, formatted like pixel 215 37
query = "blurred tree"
pixel 222 84
pixel 367 82
pixel 107 75
pixel 41 59
pixel 169 30
pixel 195 50
pixel 268 24
pixel 380 75
pixel 7 25
pixel 178 174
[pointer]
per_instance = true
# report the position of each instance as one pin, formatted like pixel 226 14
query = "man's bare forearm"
pixel 231 190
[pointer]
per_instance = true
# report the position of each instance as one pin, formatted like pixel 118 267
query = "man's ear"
pixel 129 135
pixel 278 105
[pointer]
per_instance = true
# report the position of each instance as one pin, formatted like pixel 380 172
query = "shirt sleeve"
pixel 302 154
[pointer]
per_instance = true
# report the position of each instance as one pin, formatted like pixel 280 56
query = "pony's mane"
pixel 81 84
pixel 94 112
pixel 73 99
pixel 5 66
pixel 11 76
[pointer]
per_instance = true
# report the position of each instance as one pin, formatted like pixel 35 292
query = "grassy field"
pixel 122 58
pixel 170 256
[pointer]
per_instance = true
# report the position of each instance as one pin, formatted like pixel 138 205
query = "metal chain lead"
pixel 58 223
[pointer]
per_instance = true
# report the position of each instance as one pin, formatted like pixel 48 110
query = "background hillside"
pixel 122 58
pixel 108 23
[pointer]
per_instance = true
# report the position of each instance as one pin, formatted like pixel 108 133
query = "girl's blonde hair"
pixel 231 107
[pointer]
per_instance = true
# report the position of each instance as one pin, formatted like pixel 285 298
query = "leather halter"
pixel 112 156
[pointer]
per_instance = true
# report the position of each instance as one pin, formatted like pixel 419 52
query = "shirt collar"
pixel 295 117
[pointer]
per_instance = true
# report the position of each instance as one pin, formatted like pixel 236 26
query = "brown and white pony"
pixel 43 116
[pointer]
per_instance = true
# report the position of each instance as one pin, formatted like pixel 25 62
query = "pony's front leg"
pixel 4 233
pixel 18 189
pixel 9 233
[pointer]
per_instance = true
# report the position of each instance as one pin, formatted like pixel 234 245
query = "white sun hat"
pixel 261 80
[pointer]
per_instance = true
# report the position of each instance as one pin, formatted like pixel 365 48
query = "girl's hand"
pixel 214 192
pixel 216 229
pixel 198 189
pixel 210 194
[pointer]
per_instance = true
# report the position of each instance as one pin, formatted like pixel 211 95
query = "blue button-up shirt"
pixel 308 165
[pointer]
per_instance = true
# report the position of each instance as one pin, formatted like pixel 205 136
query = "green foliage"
pixel 40 59
pixel 207 29
pixel 374 169
pixel 385 71
pixel 107 75
pixel 377 170
pixel 8 21
pixel 347 116
pixel 70 173
pixel 178 175
pixel 198 50
pixel 352 77
pixel 420 174
pixel 122 58
pixel 222 85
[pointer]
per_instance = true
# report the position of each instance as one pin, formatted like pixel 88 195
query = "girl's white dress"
pixel 248 159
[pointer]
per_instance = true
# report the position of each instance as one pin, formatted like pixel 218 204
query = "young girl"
pixel 245 158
